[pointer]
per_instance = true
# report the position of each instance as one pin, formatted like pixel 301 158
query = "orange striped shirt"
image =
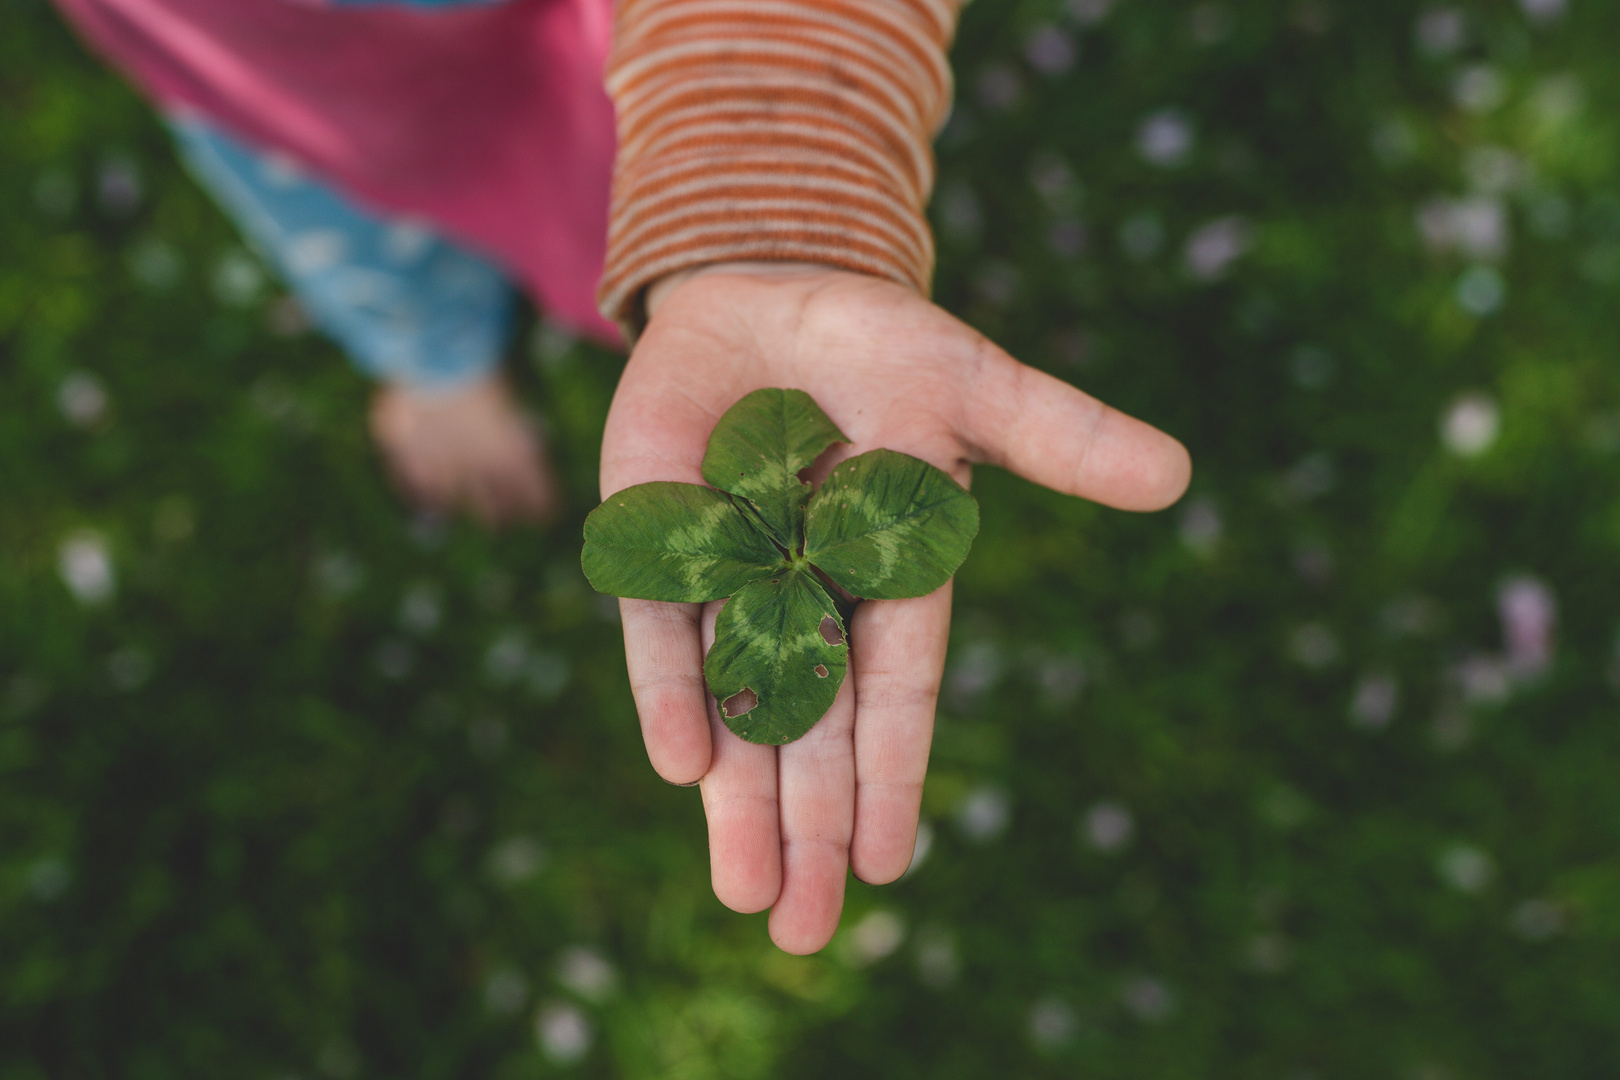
pixel 777 130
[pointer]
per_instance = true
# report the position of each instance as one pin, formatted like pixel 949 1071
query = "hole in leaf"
pixel 821 670
pixel 831 632
pixel 741 702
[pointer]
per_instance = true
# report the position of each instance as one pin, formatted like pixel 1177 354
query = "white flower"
pixel 86 568
pixel 1201 527
pixel 1165 138
pixel 1543 11
pixel 1469 427
pixel 563 1032
pixel 1538 919
pixel 1147 999
pixel 516 859
pixel 1108 826
pixel 938 960
pixel 1214 246
pixel 1529 616
pixel 1476 227
pixel 1479 89
pixel 1481 290
pixel 1375 701
pixel 1088 12
pixel 1465 868
pixel 984 813
pixel 999 87
pixel 1049 50
pixel 1440 32
pixel 421 608
pixel 1051 1024
pixel 237 279
pixel 82 399
pixel 876 936
pixel 587 973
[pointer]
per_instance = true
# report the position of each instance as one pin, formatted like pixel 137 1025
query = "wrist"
pixel 660 290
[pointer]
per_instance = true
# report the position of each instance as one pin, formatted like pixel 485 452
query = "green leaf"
pixel 758 449
pixel 886 525
pixel 778 659
pixel 669 541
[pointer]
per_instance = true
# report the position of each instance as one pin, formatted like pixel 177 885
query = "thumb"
pixel 1048 432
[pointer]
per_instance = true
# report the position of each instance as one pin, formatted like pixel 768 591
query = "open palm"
pixel 787 823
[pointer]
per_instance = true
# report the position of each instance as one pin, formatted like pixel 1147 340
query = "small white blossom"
pixel 939 961
pixel 1165 138
pixel 1088 12
pixel 875 937
pixel 1529 615
pixel 1214 246
pixel 1049 50
pixel 82 399
pixel 984 813
pixel 1466 868
pixel 1441 31
pixel 86 568
pixel 1201 527
pixel 1052 1024
pixel 1108 827
pixel 1375 701
pixel 1480 88
pixel 1469 427
pixel 1543 11
pixel 587 973
pixel 563 1032
pixel 1146 998
pixel 516 859
pixel 1481 290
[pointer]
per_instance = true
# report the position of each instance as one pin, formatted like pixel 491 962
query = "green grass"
pixel 261 817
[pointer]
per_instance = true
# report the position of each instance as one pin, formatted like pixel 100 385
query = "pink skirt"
pixel 489 122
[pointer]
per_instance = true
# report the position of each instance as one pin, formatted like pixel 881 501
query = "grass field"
pixel 1314 776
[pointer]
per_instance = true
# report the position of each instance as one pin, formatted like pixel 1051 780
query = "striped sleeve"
pixel 776 130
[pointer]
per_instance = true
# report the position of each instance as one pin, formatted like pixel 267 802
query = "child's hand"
pixel 891 370
pixel 468 448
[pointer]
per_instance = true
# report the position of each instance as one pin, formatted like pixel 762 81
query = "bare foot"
pixel 465 448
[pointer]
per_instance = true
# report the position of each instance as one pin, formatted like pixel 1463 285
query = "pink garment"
pixel 490 122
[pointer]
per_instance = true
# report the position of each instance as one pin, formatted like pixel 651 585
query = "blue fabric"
pixel 404 303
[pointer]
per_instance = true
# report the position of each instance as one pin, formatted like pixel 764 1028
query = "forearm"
pixel 774 130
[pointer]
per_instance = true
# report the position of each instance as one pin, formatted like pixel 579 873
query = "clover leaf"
pixel 883 526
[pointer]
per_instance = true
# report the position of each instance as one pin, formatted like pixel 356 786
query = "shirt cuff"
pixel 773 130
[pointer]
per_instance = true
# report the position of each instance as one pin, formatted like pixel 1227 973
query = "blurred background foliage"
pixel 1313 776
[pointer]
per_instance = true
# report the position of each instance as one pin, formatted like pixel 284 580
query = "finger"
pixel 664 656
pixel 899 657
pixel 817 791
pixel 1046 431
pixel 739 801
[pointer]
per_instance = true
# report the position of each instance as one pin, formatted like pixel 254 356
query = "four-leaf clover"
pixel 883 526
